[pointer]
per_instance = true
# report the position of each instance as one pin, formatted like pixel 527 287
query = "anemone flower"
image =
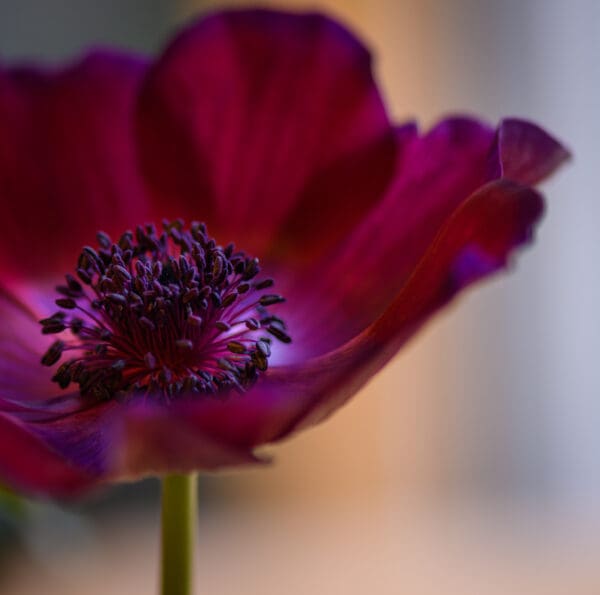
pixel 210 251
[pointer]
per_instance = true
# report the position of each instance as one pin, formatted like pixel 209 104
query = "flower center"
pixel 163 315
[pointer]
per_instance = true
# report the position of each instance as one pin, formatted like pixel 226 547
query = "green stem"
pixel 179 493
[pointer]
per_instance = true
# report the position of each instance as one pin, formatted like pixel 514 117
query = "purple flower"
pixel 165 351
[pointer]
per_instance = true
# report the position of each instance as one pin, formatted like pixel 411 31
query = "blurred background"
pixel 470 465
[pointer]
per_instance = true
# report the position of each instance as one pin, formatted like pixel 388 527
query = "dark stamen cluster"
pixel 163 315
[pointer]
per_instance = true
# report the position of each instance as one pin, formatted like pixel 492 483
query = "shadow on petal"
pixel 30 463
pixel 155 440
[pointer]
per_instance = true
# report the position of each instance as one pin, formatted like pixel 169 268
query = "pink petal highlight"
pixel 21 347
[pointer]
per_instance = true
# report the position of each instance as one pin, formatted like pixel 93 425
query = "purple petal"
pixel 153 440
pixel 61 453
pixel 70 436
pixel 21 348
pixel 263 115
pixel 525 153
pixel 112 441
pixel 489 226
pixel 434 175
pixel 67 163
pixel 491 223
pixel 28 463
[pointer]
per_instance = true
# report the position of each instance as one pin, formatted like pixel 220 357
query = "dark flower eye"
pixel 172 351
pixel 163 315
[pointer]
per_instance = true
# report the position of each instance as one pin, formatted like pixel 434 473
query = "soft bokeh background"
pixel 470 465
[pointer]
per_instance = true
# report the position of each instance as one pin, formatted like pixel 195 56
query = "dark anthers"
pixel 163 315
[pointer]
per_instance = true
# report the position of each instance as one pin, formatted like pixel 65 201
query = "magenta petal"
pixel 83 436
pixel 262 114
pixel 337 198
pixel 525 153
pixel 435 173
pixel 76 448
pixel 61 450
pixel 21 347
pixel 30 464
pixel 153 440
pixel 476 241
pixel 267 126
pixel 67 163
pixel 434 176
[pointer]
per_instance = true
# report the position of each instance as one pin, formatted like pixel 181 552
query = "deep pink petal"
pixel 69 437
pixel 252 118
pixel 153 440
pixel 82 434
pixel 435 173
pixel 67 162
pixel 21 347
pixel 66 446
pixel 113 440
pixel 28 463
pixel 54 443
pixel 477 241
pixel 269 127
pixel 525 153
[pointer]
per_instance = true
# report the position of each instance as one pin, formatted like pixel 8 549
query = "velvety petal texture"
pixel 269 127
pixel 67 160
pixel 274 118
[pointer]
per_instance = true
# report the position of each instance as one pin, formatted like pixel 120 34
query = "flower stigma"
pixel 163 315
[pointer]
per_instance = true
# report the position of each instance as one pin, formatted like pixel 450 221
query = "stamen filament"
pixel 163 315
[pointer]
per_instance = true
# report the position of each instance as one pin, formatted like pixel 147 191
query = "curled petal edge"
pixel 525 153
pixel 477 241
pixel 474 243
